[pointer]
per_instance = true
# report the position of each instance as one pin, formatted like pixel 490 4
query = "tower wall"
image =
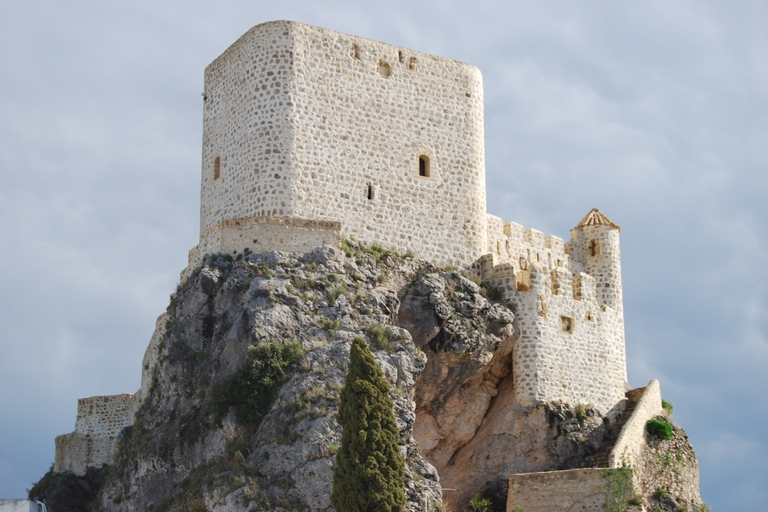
pixel 571 345
pixel 595 250
pixel 308 123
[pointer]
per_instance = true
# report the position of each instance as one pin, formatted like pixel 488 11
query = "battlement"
pixel 511 243
pixel 567 298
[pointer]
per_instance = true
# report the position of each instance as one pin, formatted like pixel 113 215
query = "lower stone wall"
pixel 77 452
pixel 667 473
pixel 260 234
pixel 558 491
pixel 100 419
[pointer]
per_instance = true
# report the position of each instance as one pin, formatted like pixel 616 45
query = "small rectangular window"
pixel 566 324
pixel 424 166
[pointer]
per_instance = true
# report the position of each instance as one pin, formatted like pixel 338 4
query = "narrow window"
pixel 370 192
pixel 355 51
pixel 216 167
pixel 424 166
pixel 594 248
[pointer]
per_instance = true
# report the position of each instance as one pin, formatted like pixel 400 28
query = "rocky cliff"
pixel 241 381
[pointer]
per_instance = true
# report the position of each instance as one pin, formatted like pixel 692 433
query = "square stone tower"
pixel 309 135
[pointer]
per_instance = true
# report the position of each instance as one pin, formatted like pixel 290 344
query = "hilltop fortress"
pixel 311 136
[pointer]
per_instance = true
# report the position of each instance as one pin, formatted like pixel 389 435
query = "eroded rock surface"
pixel 179 456
pixel 446 350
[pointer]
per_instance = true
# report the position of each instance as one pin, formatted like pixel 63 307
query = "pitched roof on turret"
pixel 596 218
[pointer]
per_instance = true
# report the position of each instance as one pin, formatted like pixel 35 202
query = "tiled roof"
pixel 596 218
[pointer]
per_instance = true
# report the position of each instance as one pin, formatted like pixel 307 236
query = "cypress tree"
pixel 370 472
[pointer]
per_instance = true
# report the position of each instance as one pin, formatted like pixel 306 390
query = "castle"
pixel 310 136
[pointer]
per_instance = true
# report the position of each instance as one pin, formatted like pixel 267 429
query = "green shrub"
pixel 330 326
pixel 659 428
pixel 347 248
pixel 370 472
pixel 618 483
pixel 478 504
pixel 667 406
pixel 335 292
pixel 382 337
pixel 251 388
pixel 491 292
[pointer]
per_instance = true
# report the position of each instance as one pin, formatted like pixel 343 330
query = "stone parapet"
pixel 632 441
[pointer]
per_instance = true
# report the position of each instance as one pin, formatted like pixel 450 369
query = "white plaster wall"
pixel 18 506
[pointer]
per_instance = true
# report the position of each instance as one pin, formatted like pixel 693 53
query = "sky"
pixel 653 111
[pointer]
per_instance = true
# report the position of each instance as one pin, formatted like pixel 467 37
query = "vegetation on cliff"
pixel 250 390
pixel 369 475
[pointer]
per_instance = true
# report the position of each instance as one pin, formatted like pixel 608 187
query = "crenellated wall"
pixel 567 302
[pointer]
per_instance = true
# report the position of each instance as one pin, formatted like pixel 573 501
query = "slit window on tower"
pixel 370 192
pixel 594 248
pixel 216 167
pixel 424 166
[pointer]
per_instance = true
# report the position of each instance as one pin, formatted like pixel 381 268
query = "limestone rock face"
pixel 179 455
pixel 446 349
pixel 468 422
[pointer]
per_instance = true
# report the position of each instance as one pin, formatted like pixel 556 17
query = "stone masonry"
pixel 568 303
pixel 307 124
pixel 100 419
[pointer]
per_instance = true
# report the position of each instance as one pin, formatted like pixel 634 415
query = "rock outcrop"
pixel 446 349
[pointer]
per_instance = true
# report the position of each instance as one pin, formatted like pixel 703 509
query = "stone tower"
pixel 594 250
pixel 568 305
pixel 309 135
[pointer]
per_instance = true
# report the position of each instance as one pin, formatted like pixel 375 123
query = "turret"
pixel 594 249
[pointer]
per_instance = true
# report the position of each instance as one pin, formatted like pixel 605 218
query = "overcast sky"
pixel 655 112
